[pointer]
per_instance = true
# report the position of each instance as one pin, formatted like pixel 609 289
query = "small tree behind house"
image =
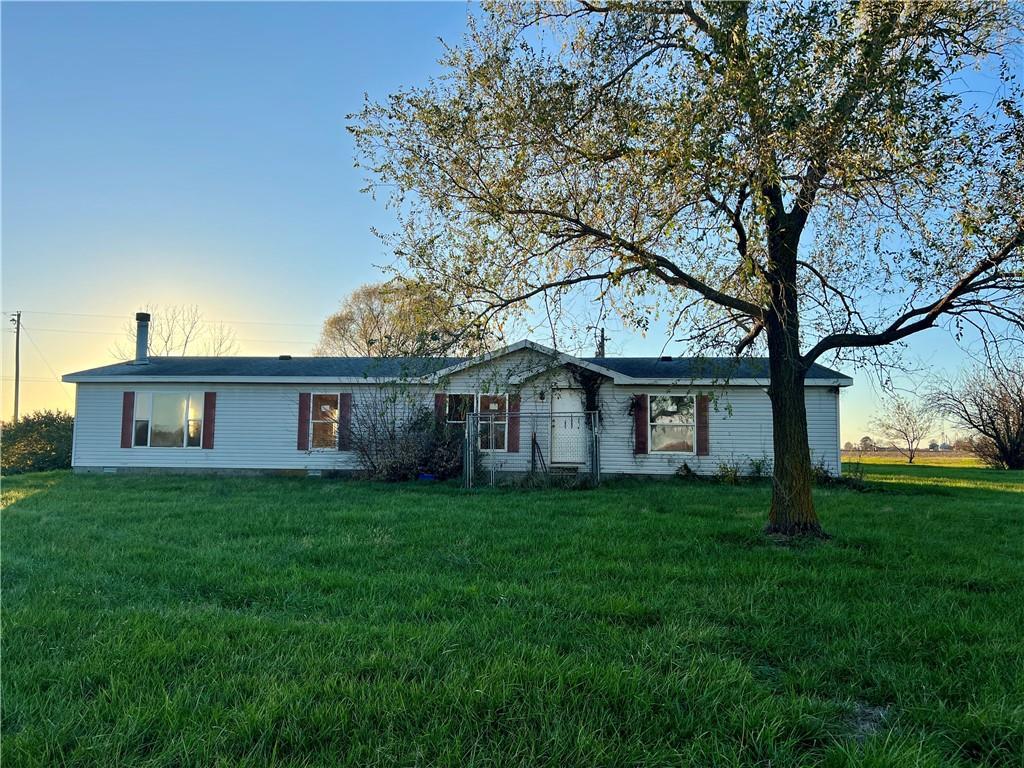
pixel 905 425
pixel 399 318
pixel 177 330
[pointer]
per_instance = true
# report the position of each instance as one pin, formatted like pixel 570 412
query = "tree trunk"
pixel 792 511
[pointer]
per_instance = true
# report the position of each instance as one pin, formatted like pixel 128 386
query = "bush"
pixel 760 468
pixel 396 441
pixel 686 473
pixel 855 471
pixel 728 473
pixel 419 447
pixel 38 442
pixel 822 476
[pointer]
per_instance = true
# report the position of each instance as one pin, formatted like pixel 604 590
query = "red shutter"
pixel 513 424
pixel 345 421
pixel 703 438
pixel 127 419
pixel 640 419
pixel 440 402
pixel 302 442
pixel 209 418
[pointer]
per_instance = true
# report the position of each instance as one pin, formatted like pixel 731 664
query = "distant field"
pixel 923 459
pixel 193 621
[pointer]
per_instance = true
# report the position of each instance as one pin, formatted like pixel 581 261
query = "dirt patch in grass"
pixel 866 720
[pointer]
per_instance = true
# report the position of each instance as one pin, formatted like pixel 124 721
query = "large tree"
pixel 814 180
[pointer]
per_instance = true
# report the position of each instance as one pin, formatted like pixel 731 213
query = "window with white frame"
pixel 458 407
pixel 324 422
pixel 493 412
pixel 672 423
pixel 168 419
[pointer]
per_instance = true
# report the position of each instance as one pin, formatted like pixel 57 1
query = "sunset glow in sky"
pixel 197 154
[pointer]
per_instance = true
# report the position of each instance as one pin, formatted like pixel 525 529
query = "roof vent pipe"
pixel 142 338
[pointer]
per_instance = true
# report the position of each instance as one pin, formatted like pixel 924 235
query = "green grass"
pixel 922 459
pixel 170 621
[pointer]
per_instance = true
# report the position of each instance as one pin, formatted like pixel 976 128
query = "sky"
pixel 196 153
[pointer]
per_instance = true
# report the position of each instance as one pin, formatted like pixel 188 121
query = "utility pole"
pixel 17 360
pixel 601 338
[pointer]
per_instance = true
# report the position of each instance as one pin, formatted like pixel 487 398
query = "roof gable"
pixel 558 359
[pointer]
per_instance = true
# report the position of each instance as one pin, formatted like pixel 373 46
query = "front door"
pixel 569 432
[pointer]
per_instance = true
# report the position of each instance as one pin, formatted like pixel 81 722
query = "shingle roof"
pixel 699 368
pixel 682 368
pixel 314 367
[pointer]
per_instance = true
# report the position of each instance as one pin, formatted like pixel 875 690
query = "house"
pixel 523 407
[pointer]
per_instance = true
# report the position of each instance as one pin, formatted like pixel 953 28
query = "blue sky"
pixel 191 153
pixel 197 153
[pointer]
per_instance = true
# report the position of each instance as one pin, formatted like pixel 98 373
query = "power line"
pixel 226 322
pixel 36 379
pixel 46 362
pixel 76 330
pixel 118 333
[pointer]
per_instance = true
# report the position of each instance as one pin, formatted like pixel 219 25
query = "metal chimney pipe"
pixel 142 338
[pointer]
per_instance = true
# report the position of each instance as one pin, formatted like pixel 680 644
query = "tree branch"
pixel 663 268
pixel 906 324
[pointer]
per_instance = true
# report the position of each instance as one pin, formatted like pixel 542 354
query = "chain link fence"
pixel 541 444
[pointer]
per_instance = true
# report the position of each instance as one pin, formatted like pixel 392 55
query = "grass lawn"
pixel 171 621
pixel 922 459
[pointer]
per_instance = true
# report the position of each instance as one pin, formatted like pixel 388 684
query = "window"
pixel 324 421
pixel 672 423
pixel 169 419
pixel 143 409
pixel 194 425
pixel 458 407
pixel 493 422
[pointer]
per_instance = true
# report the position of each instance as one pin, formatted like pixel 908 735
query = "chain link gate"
pixel 564 444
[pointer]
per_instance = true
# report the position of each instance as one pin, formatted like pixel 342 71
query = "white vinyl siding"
pixel 255 428
pixel 256 424
pixel 739 429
